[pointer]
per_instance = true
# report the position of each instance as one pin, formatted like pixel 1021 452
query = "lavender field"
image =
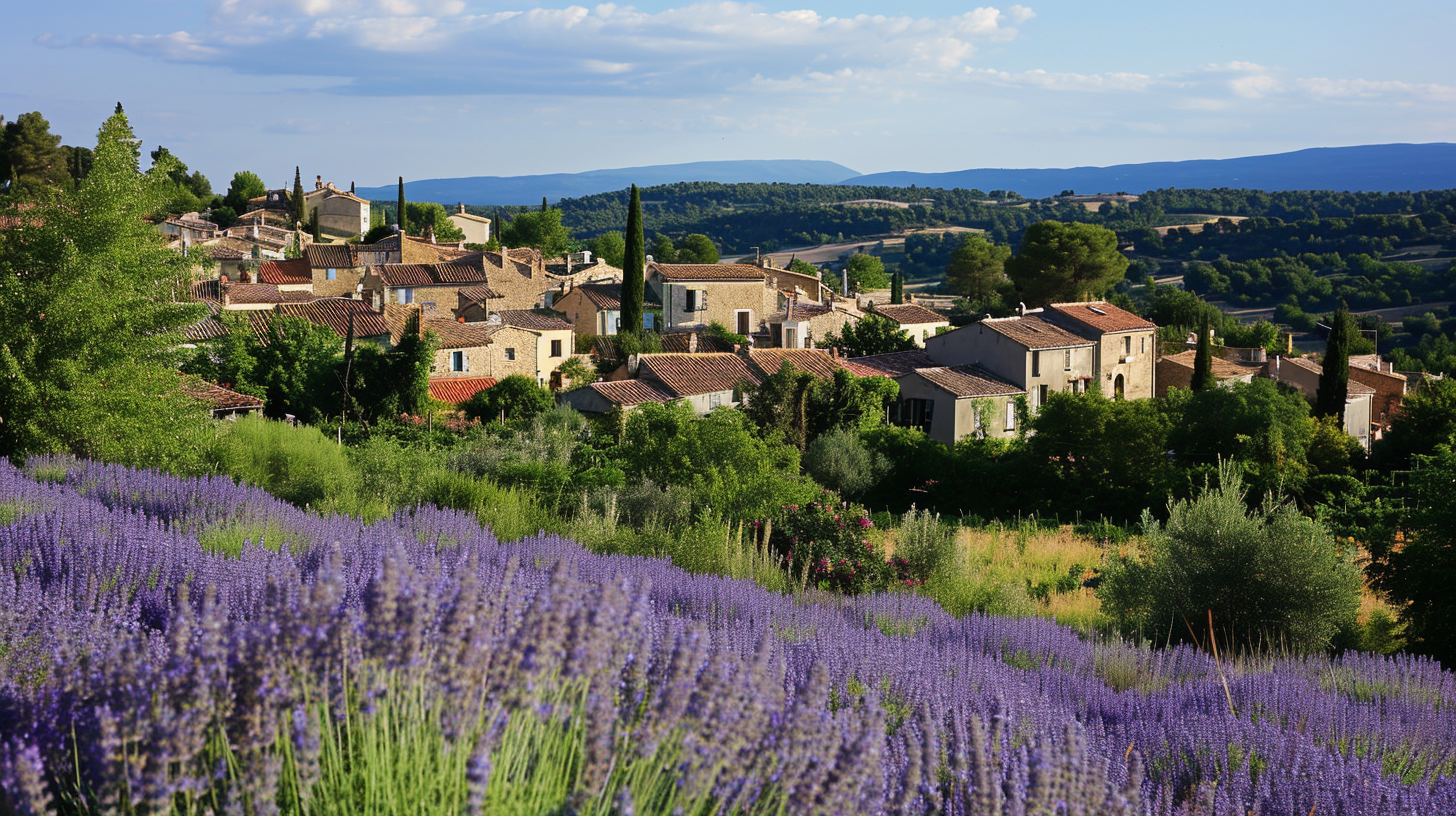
pixel 199 647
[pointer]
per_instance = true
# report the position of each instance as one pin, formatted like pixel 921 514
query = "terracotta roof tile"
pixel 478 294
pixel 679 339
pixel 535 321
pixel 709 272
pixel 895 363
pixel 1103 316
pixel 1030 331
pixel 208 328
pixel 451 334
pixel 459 389
pixel 253 293
pixel 331 256
pixel 630 392
pixel 333 313
pixel 605 296
pixel 815 361
pixel 910 314
pixel 221 399
pixel 286 273
pixel 686 375
pixel 1222 369
pixel 1315 368
pixel 969 381
pixel 441 274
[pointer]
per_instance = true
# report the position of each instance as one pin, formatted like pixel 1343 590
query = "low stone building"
pixel 336 269
pixel 551 344
pixel 602 397
pixel 915 320
pixel 288 276
pixel 593 308
pixel 1176 371
pixel 1389 385
pixel 736 296
pixel 803 324
pixel 949 403
pixel 1124 359
pixel 1303 375
pixel 1034 355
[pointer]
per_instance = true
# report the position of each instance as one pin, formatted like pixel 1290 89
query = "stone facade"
pixel 1126 352
pixel 339 212
pixel 1025 351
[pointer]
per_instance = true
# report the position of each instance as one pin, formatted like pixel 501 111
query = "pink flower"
pixel 865 522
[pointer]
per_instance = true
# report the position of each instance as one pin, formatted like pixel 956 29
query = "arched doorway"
pixel 1117 387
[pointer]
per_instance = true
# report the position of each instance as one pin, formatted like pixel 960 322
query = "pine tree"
pixel 1203 358
pixel 399 209
pixel 1334 382
pixel 544 206
pixel 297 196
pixel 634 267
pixel 897 288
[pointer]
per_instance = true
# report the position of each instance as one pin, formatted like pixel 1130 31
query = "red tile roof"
pixel 818 362
pixel 1315 368
pixel 1222 369
pixel 605 296
pixel 709 272
pixel 679 339
pixel 969 381
pixel 451 334
pixel 442 274
pixel 208 328
pixel 334 313
pixel 331 256
pixel 895 363
pixel 459 389
pixel 1031 331
pixel 221 399
pixel 478 294
pixel 686 375
pixel 286 273
pixel 630 392
pixel 535 321
pixel 910 314
pixel 1103 316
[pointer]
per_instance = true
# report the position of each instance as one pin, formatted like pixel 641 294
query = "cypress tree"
pixel 297 196
pixel 1203 359
pixel 543 204
pixel 897 288
pixel 399 209
pixel 634 263
pixel 1334 382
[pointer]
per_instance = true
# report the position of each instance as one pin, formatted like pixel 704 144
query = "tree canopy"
pixel 541 229
pixel 977 270
pixel 1065 262
pixel 866 273
pixel 871 334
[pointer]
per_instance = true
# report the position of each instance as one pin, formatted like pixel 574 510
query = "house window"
pixel 457 361
pixel 697 300
pixel 510 354
pixel 790 338
pixel 1068 365
pixel 555 348
pixel 1036 364
pixel 1127 346
pixel 715 401
pixel 1041 394
pixel 1010 416
pixel 744 320
pixel 406 296
pixel 332 274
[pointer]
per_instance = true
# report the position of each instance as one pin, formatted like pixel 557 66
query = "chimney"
pixel 693 343
pixel 461 205
pixel 351 188
pixel 1021 309
pixel 318 182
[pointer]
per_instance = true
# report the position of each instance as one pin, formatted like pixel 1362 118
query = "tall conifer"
pixel 1203 358
pixel 897 288
pixel 399 209
pixel 1334 382
pixel 634 271
pixel 297 196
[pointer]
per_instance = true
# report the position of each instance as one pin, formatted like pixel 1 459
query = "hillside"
pixel 1373 168
pixel 507 190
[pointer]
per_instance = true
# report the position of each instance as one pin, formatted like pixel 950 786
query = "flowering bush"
pixel 829 545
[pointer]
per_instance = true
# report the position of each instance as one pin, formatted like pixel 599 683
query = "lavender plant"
pixel 416 664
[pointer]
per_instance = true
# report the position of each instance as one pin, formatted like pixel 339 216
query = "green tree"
pixel 90 321
pixel 866 273
pixel 245 186
pixel 1266 430
pixel 515 397
pixel 871 334
pixel 977 270
pixel 434 216
pixel 1093 452
pixel 897 288
pixel 663 250
pixel 296 201
pixel 400 213
pixel 610 247
pixel 542 230
pixel 385 385
pixel 842 462
pixel 1203 359
pixel 1418 573
pixel 32 155
pixel 697 248
pixel 634 272
pixel 1425 421
pixel 1268 576
pixel 296 365
pixel 1334 381
pixel 1063 262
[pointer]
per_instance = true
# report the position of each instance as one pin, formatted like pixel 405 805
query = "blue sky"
pixel 366 90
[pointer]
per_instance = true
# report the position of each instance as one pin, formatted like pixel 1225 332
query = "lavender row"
pixel 122 636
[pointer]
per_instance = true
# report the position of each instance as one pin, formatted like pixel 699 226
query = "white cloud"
pixel 1064 81
pixel 1324 88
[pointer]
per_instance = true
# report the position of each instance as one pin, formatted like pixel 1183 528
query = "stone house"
pixel 593 308
pixel 602 397
pixel 339 315
pixel 475 227
pixel 1124 359
pixel 244 295
pixel 1036 356
pixel 222 403
pixel 1303 375
pixel 918 322
pixel 737 296
pixel 1390 387
pixel 462 349
pixel 949 403
pixel 288 276
pixel 545 343
pixel 797 284
pixel 339 212
pixel 1176 371
pixel 706 381
pixel 802 324
pixel 438 286
pixel 335 269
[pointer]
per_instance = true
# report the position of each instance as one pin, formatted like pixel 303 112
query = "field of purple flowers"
pixel 193 646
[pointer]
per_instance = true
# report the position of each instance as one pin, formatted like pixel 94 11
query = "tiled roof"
pixel 253 293
pixel 1313 367
pixel 801 310
pixel 1222 369
pixel 459 389
pixel 686 375
pixel 535 321
pixel 221 399
pixel 605 348
pixel 442 274
pixel 1103 316
pixel 470 217
pixel 451 334
pixel 1030 331
pixel 709 272
pixel 630 392
pixel 208 328
pixel 286 273
pixel 815 361
pixel 969 381
pixel 605 296
pixel 895 363
pixel 334 313
pixel 331 256
pixel 478 294
pixel 679 339
pixel 786 281
pixel 910 314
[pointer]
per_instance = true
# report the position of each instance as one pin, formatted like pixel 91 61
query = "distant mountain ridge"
pixel 1365 168
pixel 506 190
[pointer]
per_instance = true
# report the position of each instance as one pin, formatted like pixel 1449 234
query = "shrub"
pixel 842 462
pixel 922 543
pixel 1269 576
pixel 828 546
pixel 515 397
pixel 297 464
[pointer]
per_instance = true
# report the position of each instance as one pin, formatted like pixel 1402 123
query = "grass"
pixel 227 538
